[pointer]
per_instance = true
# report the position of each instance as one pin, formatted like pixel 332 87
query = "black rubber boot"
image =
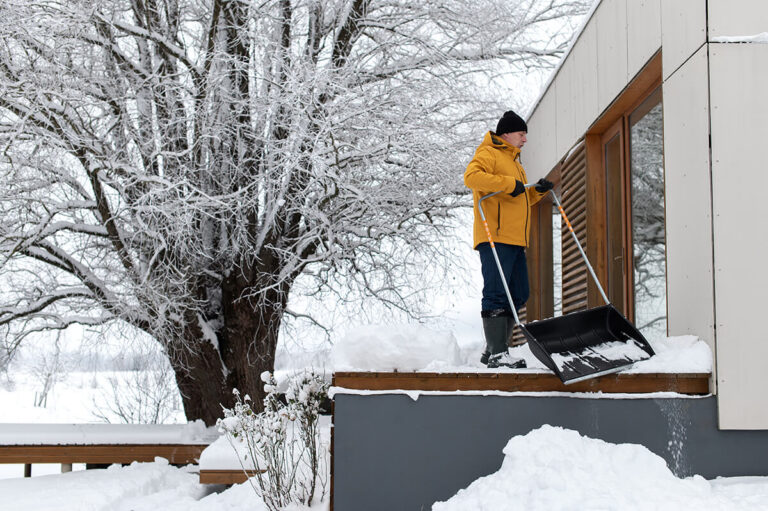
pixel 495 330
pixel 488 347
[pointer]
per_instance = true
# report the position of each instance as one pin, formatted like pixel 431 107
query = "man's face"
pixel 516 138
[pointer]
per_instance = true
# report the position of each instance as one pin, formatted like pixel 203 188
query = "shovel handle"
pixel 578 244
pixel 496 255
pixel 570 228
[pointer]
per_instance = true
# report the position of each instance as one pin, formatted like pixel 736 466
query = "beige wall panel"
pixel 540 155
pixel 565 116
pixel 683 31
pixel 737 17
pixel 584 83
pixel 611 20
pixel 739 178
pixel 690 293
pixel 643 33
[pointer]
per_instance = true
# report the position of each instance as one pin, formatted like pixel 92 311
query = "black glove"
pixel 543 186
pixel 519 188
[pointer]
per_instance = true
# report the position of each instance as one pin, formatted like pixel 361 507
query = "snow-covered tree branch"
pixel 177 165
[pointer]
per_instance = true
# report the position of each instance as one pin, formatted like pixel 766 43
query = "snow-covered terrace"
pixel 415 359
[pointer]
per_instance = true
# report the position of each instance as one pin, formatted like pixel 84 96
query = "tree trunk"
pixel 206 376
pixel 200 378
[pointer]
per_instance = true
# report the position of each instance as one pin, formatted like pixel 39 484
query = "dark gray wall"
pixel 393 453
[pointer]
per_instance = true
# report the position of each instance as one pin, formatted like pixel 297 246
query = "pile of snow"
pixel 681 354
pixel 556 468
pixel 395 347
pixel 116 488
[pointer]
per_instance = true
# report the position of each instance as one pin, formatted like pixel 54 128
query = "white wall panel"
pixel 690 292
pixel 683 31
pixel 540 155
pixel 565 116
pixel 611 19
pixel 584 82
pixel 739 179
pixel 643 33
pixel 737 17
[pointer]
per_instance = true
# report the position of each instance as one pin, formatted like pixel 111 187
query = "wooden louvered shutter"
pixel 517 334
pixel 573 193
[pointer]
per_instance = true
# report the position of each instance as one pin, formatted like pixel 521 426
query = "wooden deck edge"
pixel 101 454
pixel 625 383
pixel 225 476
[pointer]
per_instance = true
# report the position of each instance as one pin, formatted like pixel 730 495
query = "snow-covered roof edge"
pixel 761 38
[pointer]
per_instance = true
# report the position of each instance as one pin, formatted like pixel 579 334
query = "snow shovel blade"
pixel 587 344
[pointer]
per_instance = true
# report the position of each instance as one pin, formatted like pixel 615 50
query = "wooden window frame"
pixel 615 118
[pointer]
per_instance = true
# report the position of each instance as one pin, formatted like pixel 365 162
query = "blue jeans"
pixel 512 258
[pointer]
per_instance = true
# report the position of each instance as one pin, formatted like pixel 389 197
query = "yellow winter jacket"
pixel 495 167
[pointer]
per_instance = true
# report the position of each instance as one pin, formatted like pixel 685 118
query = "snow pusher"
pixel 582 344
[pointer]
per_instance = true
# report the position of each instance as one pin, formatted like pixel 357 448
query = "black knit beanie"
pixel 510 123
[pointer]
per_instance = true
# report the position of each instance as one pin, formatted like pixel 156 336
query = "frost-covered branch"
pixel 189 163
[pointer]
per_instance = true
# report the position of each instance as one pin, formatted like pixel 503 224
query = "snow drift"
pixel 395 347
pixel 556 468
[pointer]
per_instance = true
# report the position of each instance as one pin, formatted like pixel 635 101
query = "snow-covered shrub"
pixel 304 397
pixel 283 442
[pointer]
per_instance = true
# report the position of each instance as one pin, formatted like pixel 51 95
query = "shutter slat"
pixel 573 184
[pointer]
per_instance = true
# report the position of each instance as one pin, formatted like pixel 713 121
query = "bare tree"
pixel 48 369
pixel 141 393
pixel 176 164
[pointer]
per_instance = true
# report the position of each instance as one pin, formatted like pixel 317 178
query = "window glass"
pixel 614 222
pixel 648 227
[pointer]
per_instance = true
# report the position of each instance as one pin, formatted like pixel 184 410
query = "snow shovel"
pixel 583 344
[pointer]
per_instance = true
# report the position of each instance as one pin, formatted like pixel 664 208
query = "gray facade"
pixel 394 453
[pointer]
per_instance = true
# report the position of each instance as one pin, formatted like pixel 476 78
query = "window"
pixel 635 258
pixel 646 169
pixel 611 184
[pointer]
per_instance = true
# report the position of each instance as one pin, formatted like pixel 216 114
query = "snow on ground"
pixel 137 487
pixel 551 468
pixel 77 397
pixel 555 468
pixel 390 347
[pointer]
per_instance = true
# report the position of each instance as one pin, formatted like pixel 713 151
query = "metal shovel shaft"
pixel 578 244
pixel 496 255
pixel 582 344
pixel 570 228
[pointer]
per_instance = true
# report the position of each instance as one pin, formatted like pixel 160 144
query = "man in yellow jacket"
pixel 496 167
